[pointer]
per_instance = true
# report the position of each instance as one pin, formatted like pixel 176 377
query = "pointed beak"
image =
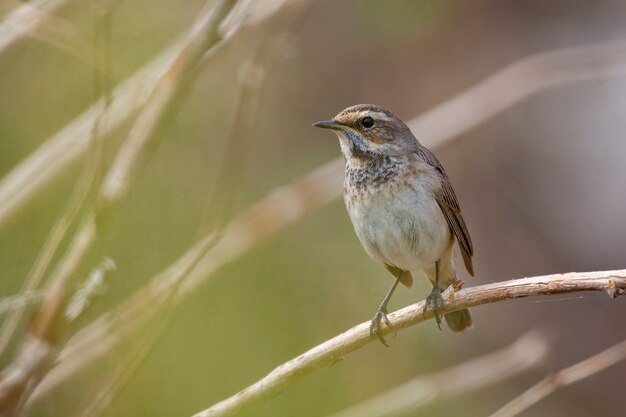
pixel 329 124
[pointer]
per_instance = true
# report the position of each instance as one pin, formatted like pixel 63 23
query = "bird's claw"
pixel 436 300
pixel 375 328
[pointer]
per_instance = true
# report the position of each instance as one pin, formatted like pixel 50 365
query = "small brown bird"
pixel 401 204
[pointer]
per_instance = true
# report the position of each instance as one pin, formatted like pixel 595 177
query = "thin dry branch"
pixel 564 377
pixel 525 353
pixel 333 350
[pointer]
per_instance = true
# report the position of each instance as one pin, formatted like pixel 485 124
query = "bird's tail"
pixel 458 320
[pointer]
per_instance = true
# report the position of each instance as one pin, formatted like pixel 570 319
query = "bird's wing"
pixel 451 210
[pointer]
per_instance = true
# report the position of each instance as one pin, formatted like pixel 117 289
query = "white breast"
pixel 399 225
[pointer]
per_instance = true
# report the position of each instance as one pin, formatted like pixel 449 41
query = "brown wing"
pixel 451 210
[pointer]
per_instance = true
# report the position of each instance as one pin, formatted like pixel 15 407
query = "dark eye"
pixel 367 122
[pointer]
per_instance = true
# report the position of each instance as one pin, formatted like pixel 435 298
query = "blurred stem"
pixel 25 19
pixel 15 301
pixel 564 377
pixel 466 110
pixel 86 180
pixel 123 171
pixel 525 353
pixel 60 151
pixel 251 76
pixel 164 100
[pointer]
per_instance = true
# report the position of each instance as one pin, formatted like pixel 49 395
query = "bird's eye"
pixel 367 122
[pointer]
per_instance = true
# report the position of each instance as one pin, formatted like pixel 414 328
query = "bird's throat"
pixel 365 173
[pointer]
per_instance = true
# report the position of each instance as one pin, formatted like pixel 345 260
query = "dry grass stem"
pixel 526 353
pixel 25 20
pixel 51 313
pixel 515 83
pixel 280 208
pixel 564 377
pixel 333 350
pixel 79 195
pixel 474 106
pixel 17 301
pixel 201 38
pixel 251 77
pixel 156 89
pixel 58 153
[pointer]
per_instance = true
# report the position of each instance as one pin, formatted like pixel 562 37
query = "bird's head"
pixel 367 131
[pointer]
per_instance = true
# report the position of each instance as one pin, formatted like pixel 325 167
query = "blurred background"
pixel 541 186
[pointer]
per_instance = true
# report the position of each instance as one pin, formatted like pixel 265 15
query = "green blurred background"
pixel 541 186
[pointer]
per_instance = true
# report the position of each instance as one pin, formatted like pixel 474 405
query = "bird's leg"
pixel 434 298
pixel 382 313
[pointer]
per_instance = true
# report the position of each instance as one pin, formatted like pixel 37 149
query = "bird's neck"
pixel 365 173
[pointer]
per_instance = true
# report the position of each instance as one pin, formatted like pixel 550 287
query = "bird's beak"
pixel 329 124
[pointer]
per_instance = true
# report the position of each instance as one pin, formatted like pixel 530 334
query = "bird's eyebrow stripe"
pixel 378 115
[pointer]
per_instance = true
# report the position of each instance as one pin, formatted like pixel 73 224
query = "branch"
pixel 333 350
pixel 527 352
pixel 564 377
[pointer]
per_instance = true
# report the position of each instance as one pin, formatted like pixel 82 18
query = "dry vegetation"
pixel 52 349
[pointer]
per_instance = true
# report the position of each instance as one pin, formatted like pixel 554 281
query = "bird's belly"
pixel 404 229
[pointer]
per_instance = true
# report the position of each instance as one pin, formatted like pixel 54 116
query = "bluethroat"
pixel 402 206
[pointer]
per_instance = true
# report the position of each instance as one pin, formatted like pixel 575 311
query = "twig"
pixel 333 350
pixel 564 377
pixel 526 353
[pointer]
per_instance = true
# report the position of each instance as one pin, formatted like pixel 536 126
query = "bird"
pixel 402 206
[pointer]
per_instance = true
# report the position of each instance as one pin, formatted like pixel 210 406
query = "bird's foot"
pixel 375 327
pixel 436 301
